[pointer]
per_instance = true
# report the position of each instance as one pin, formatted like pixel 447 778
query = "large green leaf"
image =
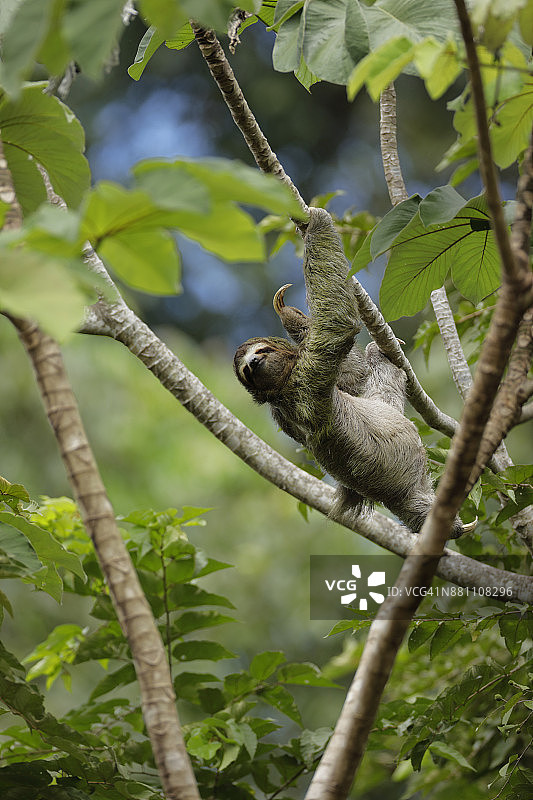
pixel 227 232
pixel 20 42
pixel 17 556
pixel 287 52
pixel 440 205
pixel 392 224
pixel 128 231
pixel 48 549
pixel 421 258
pixel 388 19
pixel 324 45
pixel 145 258
pixel 514 120
pixel 91 30
pixel 229 181
pixel 42 288
pixel 335 35
pixel 199 198
pixel 43 128
pixel 475 265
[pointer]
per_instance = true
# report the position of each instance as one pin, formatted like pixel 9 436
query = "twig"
pixel 131 606
pixel 218 64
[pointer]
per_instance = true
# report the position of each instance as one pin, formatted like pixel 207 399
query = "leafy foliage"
pixel 428 240
pixel 229 729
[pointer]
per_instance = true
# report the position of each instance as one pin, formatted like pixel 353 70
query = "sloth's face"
pixel 263 364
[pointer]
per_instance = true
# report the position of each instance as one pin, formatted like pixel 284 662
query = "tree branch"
pixel 133 611
pixel 118 321
pixel 220 69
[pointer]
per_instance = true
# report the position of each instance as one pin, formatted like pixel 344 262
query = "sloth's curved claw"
pixel 277 302
pixel 470 526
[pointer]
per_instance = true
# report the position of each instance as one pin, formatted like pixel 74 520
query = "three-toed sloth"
pixel 342 403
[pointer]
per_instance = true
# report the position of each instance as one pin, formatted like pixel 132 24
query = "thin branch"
pixel 514 389
pixel 459 368
pixel 220 69
pixel 385 338
pixel 527 413
pixel 131 606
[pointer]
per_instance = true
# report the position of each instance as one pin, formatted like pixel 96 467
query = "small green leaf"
pixel 148 45
pixel 303 674
pixel 201 651
pixel 280 698
pixel 187 685
pixel 13 491
pixel 120 677
pixel 264 664
pixel 231 753
pixel 443 750
pixel 21 557
pixel 196 620
pixel 447 633
pixel 420 634
pixel 48 549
